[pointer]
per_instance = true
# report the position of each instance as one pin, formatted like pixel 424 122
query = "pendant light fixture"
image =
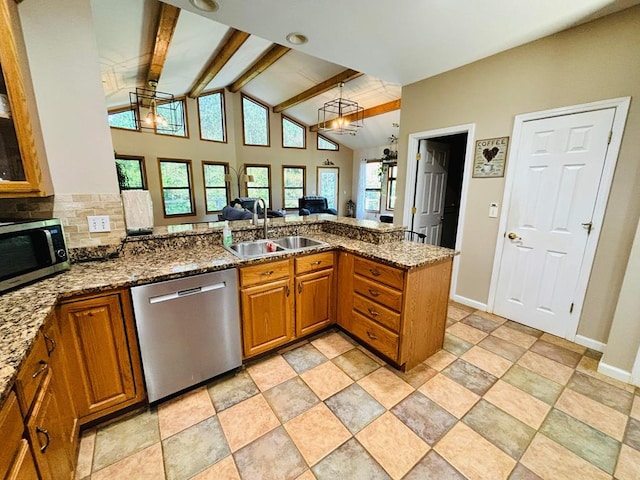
pixel 157 111
pixel 341 116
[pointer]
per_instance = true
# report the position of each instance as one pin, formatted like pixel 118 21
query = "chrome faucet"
pixel 255 214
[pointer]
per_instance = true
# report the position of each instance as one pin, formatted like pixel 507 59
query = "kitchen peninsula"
pixel 388 293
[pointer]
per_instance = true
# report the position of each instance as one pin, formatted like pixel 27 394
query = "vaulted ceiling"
pixel 376 46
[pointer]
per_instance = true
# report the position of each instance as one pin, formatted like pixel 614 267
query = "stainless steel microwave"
pixel 30 250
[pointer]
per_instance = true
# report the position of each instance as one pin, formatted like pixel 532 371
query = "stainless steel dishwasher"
pixel 188 329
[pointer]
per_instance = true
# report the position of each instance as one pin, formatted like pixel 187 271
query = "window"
pixel 123 119
pixel 328 179
pixel 175 180
pixel 261 185
pixel 293 182
pixel 325 144
pixel 372 186
pixel 255 122
pixel 294 135
pixel 216 191
pixel 211 116
pixel 174 112
pixel 392 175
pixel 130 171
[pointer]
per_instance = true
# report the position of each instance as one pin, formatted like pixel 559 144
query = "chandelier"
pixel 341 116
pixel 157 111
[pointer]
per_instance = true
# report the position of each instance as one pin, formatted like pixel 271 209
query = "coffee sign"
pixel 490 157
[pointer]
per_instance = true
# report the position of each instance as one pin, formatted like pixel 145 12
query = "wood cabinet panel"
pixel 345 297
pixel 375 311
pixel 315 306
pixel 311 263
pixel 264 272
pixel 11 426
pixel 267 316
pixel 24 468
pixel 31 375
pixel 381 294
pixel 103 358
pixel 47 435
pixel 394 277
pixel 383 340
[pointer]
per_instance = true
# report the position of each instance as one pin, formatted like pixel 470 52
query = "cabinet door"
pixel 314 301
pixel 103 359
pixel 345 287
pixel 23 467
pixel 46 434
pixel 267 316
pixel 62 392
pixel 19 168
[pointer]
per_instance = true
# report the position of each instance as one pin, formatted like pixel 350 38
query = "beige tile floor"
pixel 501 401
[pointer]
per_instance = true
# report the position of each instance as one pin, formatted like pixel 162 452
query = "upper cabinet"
pixel 20 171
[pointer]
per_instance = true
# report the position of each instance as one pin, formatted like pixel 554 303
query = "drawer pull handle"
pixel 371 335
pixel 46 435
pixel 373 312
pixel 43 368
pixel 300 288
pixel 317 262
pixel 49 342
pixel 268 272
pixel 374 272
pixel 374 293
pixel 288 290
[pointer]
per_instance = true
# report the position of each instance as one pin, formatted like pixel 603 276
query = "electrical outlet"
pixel 99 223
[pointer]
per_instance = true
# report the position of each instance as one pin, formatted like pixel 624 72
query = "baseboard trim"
pixel 469 303
pixel 590 343
pixel 614 372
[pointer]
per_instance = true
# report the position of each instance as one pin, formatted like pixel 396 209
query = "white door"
pixel 431 185
pixel 558 165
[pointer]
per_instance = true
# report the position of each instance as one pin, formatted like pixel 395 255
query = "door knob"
pixel 513 236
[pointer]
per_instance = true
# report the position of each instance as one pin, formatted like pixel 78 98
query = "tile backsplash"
pixel 73 210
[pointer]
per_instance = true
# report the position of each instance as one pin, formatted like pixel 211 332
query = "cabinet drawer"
pixel 378 293
pixel 394 277
pixel 11 427
pixel 265 272
pixel 376 312
pixel 31 375
pixel 378 337
pixel 313 262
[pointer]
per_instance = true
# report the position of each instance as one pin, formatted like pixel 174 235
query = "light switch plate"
pixel 493 210
pixel 99 223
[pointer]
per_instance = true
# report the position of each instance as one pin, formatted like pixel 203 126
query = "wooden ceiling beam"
pixel 270 57
pixel 220 58
pixel 369 112
pixel 167 21
pixel 317 90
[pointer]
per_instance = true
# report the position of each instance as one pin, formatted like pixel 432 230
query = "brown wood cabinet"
pixel 266 303
pixel 103 359
pixel 16 461
pixel 315 292
pixel 43 396
pixel 400 314
pixel 19 163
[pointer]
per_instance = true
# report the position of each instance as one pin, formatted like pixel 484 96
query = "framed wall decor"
pixel 490 157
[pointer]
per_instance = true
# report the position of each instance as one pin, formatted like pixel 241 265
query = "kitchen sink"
pixel 256 248
pixel 259 248
pixel 296 242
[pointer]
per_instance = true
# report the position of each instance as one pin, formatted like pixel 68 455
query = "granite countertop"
pixel 23 311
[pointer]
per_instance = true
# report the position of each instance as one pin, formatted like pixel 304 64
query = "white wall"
pixel 63 59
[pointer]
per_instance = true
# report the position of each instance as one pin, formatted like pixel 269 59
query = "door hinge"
pixel 571 308
pixel 413 210
pixel 418 156
pixel 610 136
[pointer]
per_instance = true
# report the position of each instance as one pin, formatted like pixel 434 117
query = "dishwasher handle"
pixel 187 292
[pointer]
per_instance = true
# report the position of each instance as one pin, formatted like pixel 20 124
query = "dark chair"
pixel 247 204
pixel 308 205
pixel 415 236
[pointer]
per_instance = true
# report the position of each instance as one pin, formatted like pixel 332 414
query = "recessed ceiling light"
pixel 297 38
pixel 205 5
